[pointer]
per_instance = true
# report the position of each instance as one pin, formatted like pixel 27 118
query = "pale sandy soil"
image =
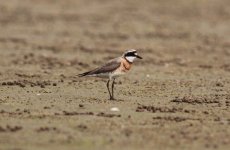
pixel 177 97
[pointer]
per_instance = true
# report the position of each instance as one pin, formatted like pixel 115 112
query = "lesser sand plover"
pixel 114 68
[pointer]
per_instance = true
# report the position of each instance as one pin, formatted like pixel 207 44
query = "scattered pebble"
pixel 81 105
pixel 114 109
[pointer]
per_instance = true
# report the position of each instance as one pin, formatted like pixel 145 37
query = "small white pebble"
pixel 38 94
pixel 147 75
pixel 114 109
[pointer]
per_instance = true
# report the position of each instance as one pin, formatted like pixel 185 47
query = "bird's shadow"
pixel 114 100
pixel 117 100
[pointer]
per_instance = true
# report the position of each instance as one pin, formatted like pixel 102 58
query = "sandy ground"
pixel 177 97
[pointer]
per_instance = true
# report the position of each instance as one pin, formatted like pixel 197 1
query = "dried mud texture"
pixel 177 97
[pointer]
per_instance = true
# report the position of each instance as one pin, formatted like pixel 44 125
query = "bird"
pixel 113 69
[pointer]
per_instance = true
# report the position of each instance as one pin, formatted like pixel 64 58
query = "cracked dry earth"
pixel 177 97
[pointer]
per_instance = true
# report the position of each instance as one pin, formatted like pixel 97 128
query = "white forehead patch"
pixel 131 50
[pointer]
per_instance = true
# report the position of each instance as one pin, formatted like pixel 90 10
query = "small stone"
pixel 81 105
pixel 114 109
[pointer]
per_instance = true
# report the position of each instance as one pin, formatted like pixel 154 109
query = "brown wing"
pixel 108 67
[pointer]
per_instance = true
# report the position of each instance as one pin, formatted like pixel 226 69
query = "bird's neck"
pixel 126 64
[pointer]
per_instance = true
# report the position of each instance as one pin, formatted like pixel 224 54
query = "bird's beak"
pixel 138 56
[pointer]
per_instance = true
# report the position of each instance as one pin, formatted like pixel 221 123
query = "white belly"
pixel 108 75
pixel 116 74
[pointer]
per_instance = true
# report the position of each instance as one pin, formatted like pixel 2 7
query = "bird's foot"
pixel 111 98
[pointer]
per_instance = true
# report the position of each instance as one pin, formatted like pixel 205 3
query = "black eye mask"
pixel 131 54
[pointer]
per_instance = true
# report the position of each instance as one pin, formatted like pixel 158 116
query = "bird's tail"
pixel 83 74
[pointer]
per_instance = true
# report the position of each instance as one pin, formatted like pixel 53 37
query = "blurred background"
pixel 162 30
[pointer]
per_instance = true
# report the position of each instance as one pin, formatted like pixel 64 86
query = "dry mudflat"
pixel 177 97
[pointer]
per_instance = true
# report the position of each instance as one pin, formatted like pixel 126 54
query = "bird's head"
pixel 130 55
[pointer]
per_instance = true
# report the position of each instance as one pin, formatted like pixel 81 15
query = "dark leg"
pixel 113 87
pixel 110 96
